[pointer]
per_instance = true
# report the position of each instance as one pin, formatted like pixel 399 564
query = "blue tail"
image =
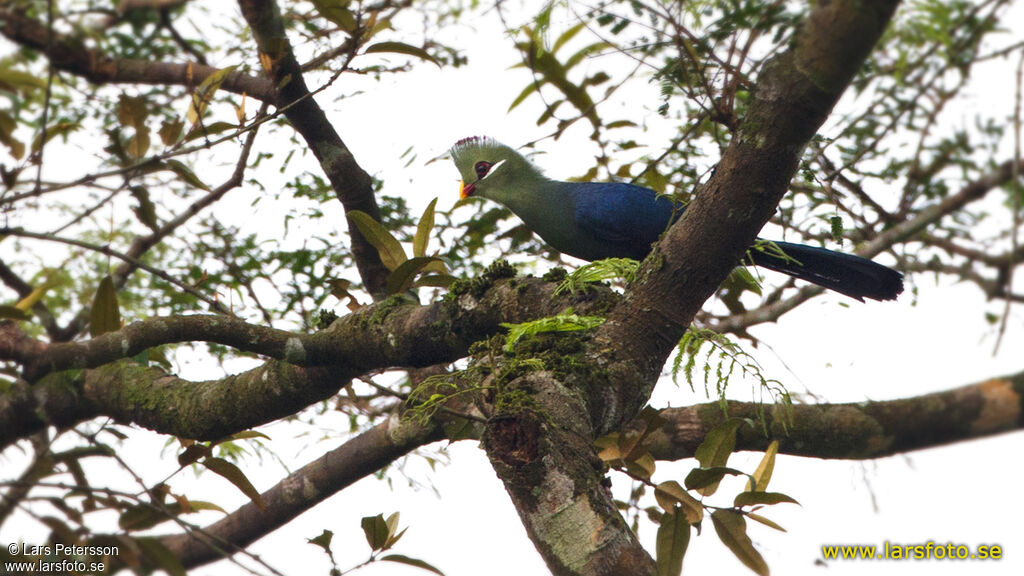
pixel 847 274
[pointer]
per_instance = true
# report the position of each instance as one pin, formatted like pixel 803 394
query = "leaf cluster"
pixel 681 508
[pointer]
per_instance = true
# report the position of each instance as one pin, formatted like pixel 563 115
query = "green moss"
pixel 382 309
pixel 556 275
pixel 515 401
pixel 324 319
pixel 562 353
pixel 479 285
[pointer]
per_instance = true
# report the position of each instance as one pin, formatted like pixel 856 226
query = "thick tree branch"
pixel 149 397
pixel 391 333
pixel 545 456
pixel 72 55
pixel 856 430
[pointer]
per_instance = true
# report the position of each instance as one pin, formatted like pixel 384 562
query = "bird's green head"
pixel 489 168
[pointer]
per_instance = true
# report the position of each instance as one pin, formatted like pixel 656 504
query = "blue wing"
pixel 619 219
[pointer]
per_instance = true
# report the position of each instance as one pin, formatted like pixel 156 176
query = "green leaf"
pixel 389 248
pixel 836 226
pixel 598 271
pixel 567 35
pixel 742 277
pixel 765 521
pixel 402 278
pixel 7 126
pixel 141 517
pixel 435 280
pixel 376 530
pixel 58 129
pixel 203 94
pixel 337 12
pixel 197 505
pixel 159 555
pixel 672 540
pixel 641 465
pixel 732 531
pixel 705 480
pixel 718 444
pixel 402 559
pixel 245 435
pixel 234 475
pixel 193 453
pixel 670 493
pixel 763 474
pixel 170 131
pixel 323 540
pixel 769 498
pixel 207 130
pixel 105 316
pixel 394 535
pixel 423 228
pixel 26 303
pixel 339 289
pixel 401 48
pixel 146 210
pixel 139 144
pixel 530 89
pixel 13 80
pixel 131 111
pixel 186 174
pixel 564 322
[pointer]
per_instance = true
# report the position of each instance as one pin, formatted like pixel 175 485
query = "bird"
pixel 598 220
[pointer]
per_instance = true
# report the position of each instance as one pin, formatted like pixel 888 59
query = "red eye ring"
pixel 482 168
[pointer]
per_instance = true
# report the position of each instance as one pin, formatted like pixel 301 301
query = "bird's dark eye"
pixel 482 168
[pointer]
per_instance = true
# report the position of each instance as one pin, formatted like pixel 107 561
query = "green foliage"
pixel 406 273
pixel 382 535
pixel 720 358
pixel 432 394
pixel 677 509
pixel 623 269
pixel 567 321
pixel 671 543
pixel 203 95
pixel 628 449
pixel 105 316
pixel 732 531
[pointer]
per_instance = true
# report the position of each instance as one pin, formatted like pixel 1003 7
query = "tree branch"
pixel 149 397
pixel 348 179
pixel 71 55
pixel 390 333
pixel 336 470
pixel 856 430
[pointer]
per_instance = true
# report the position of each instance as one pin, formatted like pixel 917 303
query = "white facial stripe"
pixel 493 169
